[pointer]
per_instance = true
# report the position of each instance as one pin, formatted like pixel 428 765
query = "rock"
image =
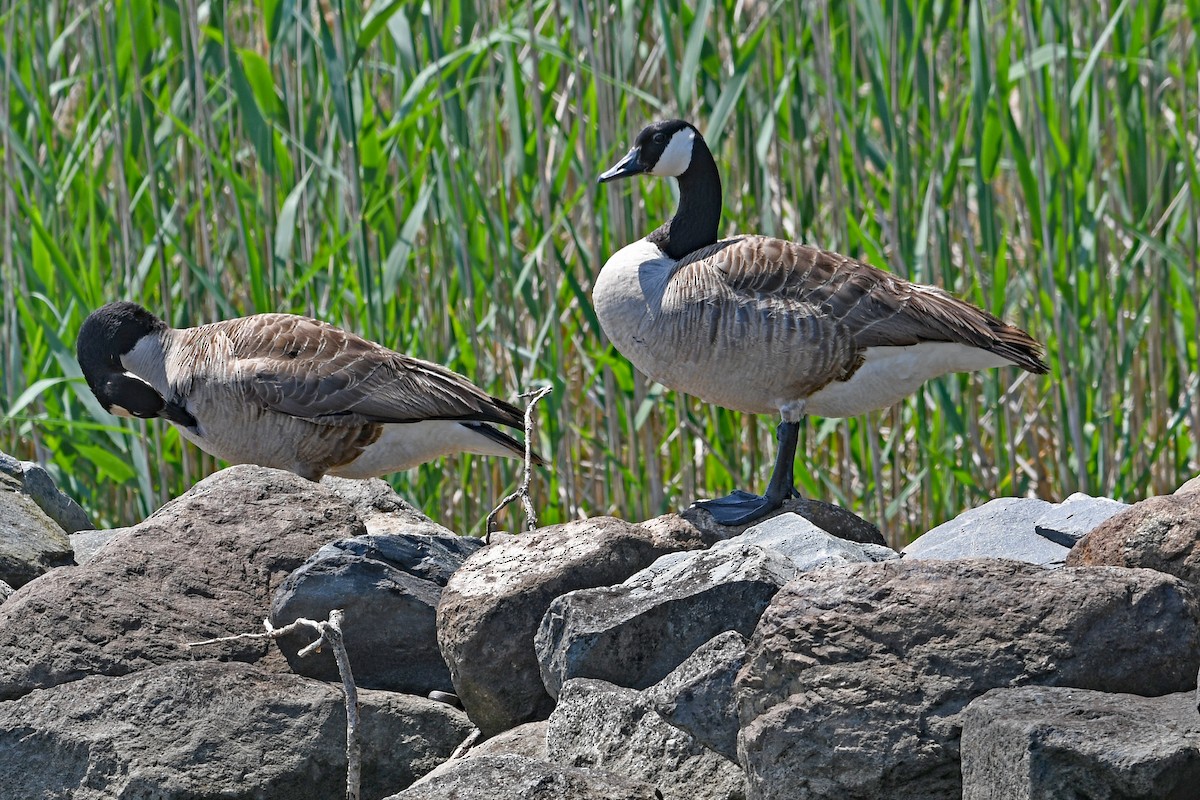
pixel 86 544
pixel 1049 742
pixel 389 586
pixel 1067 522
pixel 492 605
pixel 513 777
pixel 855 675
pixel 1192 485
pixel 36 482
pixel 1002 528
pixel 31 543
pixel 597 724
pixel 527 740
pixel 202 566
pixel 635 633
pixel 5 591
pixel 834 520
pixel 381 509
pixel 697 697
pixel 214 730
pixel 1161 533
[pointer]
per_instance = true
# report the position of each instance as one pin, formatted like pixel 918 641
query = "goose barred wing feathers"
pixel 807 282
pixel 310 369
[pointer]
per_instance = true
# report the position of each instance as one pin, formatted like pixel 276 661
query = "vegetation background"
pixel 424 174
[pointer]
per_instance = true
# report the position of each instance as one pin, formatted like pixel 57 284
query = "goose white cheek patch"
pixel 677 157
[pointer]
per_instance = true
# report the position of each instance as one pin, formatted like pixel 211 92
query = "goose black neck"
pixel 698 217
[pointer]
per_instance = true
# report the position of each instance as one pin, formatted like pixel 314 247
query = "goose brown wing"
pixel 873 307
pixel 310 369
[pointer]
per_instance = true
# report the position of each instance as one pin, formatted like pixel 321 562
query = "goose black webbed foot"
pixel 740 507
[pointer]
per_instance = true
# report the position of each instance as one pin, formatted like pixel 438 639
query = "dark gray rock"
pixel 381 509
pixel 514 777
pixel 491 607
pixel 855 675
pixel 214 730
pixel 528 740
pixel 86 544
pixel 698 696
pixel 388 585
pixel 41 488
pixel 1002 528
pixel 1043 743
pixel 834 520
pixel 1161 533
pixel 599 725
pixel 204 565
pixel 31 543
pixel 635 633
pixel 1067 522
pixel 5 591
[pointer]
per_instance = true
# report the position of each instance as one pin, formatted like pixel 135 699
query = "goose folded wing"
pixel 308 369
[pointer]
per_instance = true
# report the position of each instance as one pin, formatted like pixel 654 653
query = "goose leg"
pixel 742 507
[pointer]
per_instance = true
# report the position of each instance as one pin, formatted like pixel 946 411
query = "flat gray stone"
pixel 1069 521
pixel 599 725
pixel 1045 743
pixel 38 484
pixel 1002 528
pixel 527 740
pixel 697 697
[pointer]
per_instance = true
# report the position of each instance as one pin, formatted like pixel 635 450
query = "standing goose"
pixel 289 392
pixel 768 326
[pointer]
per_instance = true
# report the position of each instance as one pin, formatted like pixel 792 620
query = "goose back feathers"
pixel 290 392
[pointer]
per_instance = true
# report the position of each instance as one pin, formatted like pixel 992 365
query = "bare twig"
pixel 467 743
pixel 523 489
pixel 329 633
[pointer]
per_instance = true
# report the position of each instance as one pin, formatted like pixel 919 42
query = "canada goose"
pixel 289 392
pixel 768 326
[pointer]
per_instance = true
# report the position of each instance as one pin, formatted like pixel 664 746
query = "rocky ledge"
pixel 1019 650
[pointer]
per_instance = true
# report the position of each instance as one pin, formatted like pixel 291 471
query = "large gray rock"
pixel 1161 533
pixel 381 509
pixel 31 543
pixel 214 730
pixel 635 633
pixel 491 607
pixel 599 725
pixel 388 585
pixel 36 482
pixel 514 777
pixel 204 565
pixel 698 696
pixel 5 591
pixel 1067 522
pixel 1002 528
pixel 1191 485
pixel 855 675
pixel 1044 743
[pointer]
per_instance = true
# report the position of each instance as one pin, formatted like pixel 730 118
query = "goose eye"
pixel 659 138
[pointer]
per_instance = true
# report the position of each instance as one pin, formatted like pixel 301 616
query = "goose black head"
pixel 663 149
pixel 107 334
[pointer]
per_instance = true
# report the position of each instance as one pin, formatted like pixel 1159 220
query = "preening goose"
pixel 289 392
pixel 768 326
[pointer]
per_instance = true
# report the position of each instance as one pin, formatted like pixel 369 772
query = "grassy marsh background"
pixel 424 174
